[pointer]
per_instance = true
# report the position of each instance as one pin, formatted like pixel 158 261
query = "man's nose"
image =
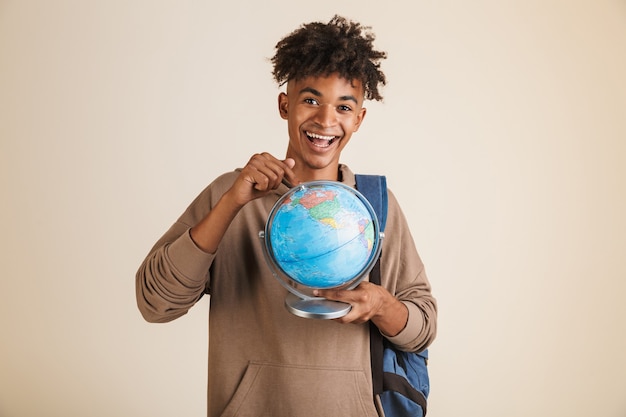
pixel 326 116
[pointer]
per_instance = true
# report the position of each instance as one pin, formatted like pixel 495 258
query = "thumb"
pixel 290 162
pixel 328 294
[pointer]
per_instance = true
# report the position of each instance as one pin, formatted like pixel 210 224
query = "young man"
pixel 263 360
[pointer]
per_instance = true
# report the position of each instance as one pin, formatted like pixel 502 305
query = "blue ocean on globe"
pixel 323 235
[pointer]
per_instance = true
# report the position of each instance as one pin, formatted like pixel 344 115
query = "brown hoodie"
pixel 263 360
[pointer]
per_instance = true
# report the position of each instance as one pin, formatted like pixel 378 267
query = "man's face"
pixel 321 113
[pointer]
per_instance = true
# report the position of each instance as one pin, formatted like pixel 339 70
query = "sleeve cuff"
pixel 412 329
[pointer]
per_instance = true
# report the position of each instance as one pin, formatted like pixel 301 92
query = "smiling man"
pixel 263 360
pixel 322 113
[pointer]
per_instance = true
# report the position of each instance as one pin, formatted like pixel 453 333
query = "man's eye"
pixel 345 108
pixel 310 101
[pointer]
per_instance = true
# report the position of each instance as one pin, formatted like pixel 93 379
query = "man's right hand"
pixel 262 174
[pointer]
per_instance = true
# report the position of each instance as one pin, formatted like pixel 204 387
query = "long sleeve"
pixel 404 275
pixel 175 273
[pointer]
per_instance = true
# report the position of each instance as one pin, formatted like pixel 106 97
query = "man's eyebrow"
pixel 316 93
pixel 311 90
pixel 349 98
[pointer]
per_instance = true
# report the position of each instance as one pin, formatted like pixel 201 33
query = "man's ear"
pixel 359 118
pixel 283 105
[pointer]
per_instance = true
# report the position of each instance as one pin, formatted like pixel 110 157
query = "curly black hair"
pixel 339 46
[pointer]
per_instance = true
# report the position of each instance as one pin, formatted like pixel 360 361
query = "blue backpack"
pixel 400 379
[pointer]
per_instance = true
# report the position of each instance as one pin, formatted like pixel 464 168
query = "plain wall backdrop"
pixel 502 133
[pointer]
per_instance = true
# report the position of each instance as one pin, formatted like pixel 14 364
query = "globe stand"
pixel 316 308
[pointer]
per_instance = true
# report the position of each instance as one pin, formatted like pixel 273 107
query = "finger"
pixel 281 171
pixel 266 171
pixel 356 294
pixel 290 178
pixel 359 313
pixel 336 295
pixel 290 162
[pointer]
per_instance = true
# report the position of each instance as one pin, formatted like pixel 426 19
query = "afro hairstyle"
pixel 340 46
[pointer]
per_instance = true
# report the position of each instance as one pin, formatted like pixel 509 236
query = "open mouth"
pixel 321 141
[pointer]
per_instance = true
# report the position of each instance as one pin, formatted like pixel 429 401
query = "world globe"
pixel 320 235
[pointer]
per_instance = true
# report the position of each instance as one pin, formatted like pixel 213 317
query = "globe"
pixel 320 235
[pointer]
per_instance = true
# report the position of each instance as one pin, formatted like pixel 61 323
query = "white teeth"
pixel 316 136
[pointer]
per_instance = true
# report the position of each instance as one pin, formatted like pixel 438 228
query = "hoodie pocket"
pixel 276 390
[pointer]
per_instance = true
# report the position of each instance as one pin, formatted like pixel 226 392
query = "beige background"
pixel 503 134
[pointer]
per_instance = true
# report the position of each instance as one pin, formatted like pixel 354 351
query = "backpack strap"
pixel 374 188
